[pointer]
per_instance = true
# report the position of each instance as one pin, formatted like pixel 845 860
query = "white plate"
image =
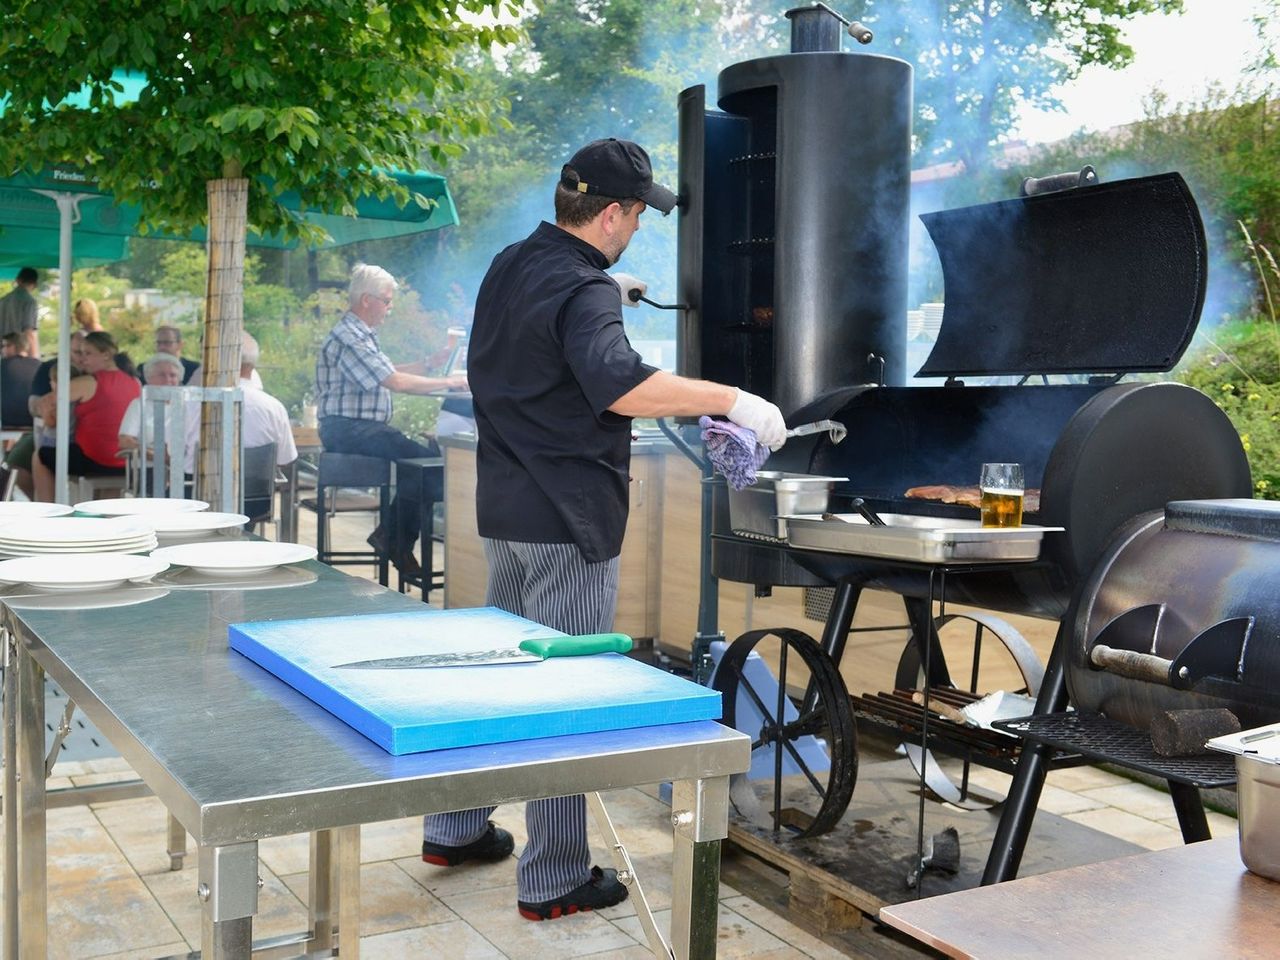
pixel 142 545
pixel 79 571
pixel 239 557
pixel 15 509
pixel 119 596
pixel 49 530
pixel 185 578
pixel 135 506
pixel 173 524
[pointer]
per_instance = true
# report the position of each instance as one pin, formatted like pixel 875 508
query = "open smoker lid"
pixel 1108 278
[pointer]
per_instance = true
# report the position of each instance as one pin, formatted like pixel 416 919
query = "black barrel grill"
pixel 792 250
pixel 1183 612
pixel 1099 451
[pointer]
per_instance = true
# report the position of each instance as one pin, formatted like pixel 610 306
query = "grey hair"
pixel 249 351
pixel 160 360
pixel 367 278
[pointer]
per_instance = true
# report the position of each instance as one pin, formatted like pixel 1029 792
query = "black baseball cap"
pixel 616 168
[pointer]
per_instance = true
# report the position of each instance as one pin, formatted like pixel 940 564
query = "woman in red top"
pixel 101 396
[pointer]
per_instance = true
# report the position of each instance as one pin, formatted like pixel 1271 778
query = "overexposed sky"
pixel 1213 40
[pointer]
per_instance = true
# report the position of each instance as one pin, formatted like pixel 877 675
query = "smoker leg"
pixel 1024 792
pixel 1190 810
pixel 924 631
pixel 700 815
pixel 835 633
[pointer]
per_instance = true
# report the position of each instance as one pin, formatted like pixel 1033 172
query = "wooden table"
pixel 1192 901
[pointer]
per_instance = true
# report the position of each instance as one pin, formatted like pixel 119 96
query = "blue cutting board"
pixel 409 711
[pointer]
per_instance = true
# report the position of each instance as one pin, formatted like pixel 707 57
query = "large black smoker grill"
pixel 793 264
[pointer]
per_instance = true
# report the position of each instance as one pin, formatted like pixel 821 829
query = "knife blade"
pixel 533 650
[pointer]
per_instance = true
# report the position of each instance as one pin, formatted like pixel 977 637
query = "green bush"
pixel 1239 367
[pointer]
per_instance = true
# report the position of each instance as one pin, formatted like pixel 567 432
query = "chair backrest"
pixel 258 473
pixel 353 470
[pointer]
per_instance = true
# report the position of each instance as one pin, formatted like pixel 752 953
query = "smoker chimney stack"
pixel 817 28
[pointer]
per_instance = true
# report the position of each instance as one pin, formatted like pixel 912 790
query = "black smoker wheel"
pixel 823 712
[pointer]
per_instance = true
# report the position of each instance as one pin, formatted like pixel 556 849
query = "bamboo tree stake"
pixel 228 200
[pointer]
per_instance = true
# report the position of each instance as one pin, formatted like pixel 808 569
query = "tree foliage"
pixel 309 96
pixel 978 62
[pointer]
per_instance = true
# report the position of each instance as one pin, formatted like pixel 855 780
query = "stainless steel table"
pixel 238 756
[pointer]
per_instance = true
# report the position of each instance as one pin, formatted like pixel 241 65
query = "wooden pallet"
pixel 840 879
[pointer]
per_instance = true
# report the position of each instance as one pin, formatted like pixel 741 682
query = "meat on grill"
pixel 968 496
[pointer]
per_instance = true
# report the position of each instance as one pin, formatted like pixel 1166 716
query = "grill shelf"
pixel 898 713
pixel 1102 738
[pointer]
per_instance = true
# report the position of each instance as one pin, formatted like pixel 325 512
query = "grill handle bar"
pixel 1129 663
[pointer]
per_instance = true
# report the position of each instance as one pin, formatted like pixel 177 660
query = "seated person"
pixel 161 370
pixel 265 418
pixel 20 456
pixel 17 371
pixel 101 396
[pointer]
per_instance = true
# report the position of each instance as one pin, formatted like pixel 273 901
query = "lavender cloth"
pixel 734 451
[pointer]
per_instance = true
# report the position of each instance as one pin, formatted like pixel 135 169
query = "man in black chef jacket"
pixel 556 385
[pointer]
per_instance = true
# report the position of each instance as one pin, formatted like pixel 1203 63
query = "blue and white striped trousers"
pixel 552 584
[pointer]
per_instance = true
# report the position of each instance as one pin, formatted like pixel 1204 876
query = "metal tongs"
pixel 860 505
pixel 836 430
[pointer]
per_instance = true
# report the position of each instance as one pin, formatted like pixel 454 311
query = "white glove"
pixel 627 284
pixel 760 416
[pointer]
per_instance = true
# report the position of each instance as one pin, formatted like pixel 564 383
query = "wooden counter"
pixel 1189 902
pixel 466 573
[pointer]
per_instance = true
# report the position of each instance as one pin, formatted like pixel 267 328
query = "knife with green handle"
pixel 533 650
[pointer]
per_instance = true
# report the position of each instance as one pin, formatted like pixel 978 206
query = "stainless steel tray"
pixel 760 510
pixel 921 539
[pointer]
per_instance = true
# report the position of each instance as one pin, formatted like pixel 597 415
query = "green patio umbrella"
pixel 33 247
pixel 68 219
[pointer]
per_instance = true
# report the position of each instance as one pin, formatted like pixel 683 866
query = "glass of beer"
pixel 1002 486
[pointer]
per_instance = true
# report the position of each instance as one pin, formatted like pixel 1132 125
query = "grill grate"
pixel 1102 738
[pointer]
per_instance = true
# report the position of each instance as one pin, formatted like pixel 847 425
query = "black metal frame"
pixel 377 558
pixel 415 471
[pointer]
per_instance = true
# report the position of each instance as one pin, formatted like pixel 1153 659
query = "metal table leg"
pixel 31 879
pixel 700 815
pixel 10 798
pixel 177 845
pixel 229 891
pixel 347 870
pixel 333 900
pixel 320 883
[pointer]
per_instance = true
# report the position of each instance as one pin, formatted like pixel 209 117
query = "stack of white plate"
pixel 39 536
pixel 931 317
pixel 140 506
pixel 915 323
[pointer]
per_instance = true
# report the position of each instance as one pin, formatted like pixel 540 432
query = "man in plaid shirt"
pixel 354 383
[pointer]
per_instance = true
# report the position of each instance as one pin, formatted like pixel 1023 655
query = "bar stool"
pixel 350 470
pixel 421 477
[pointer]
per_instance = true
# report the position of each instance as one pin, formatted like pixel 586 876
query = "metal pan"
pixel 918 539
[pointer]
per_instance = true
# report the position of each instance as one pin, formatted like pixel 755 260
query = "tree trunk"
pixel 223 322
